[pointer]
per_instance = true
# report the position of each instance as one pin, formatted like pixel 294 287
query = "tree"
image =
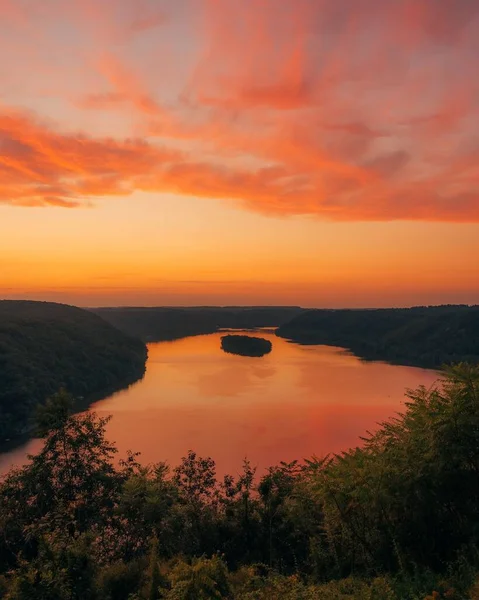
pixel 274 489
pixel 69 488
pixel 196 481
pixel 196 478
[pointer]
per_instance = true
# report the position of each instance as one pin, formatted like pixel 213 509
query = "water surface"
pixel 293 403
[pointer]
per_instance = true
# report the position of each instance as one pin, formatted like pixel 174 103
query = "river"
pixel 293 403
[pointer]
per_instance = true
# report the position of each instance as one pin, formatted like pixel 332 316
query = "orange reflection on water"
pixel 291 404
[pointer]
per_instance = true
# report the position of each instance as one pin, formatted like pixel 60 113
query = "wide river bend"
pixel 296 402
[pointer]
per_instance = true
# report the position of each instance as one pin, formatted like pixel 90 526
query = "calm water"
pixel 293 403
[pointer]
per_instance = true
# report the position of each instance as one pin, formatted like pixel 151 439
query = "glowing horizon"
pixel 221 152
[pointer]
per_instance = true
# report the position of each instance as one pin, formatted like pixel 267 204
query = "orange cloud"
pixel 296 107
pixel 40 166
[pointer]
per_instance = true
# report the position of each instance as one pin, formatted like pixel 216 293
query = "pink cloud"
pixel 294 107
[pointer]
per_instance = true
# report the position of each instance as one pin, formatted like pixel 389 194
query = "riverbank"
pixel 46 346
pixel 427 337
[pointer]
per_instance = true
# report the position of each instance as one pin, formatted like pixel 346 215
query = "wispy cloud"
pixel 298 107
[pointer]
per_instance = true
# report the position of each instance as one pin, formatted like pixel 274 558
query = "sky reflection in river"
pixel 293 403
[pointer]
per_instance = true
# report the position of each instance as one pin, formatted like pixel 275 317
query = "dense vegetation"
pixel 422 336
pixel 246 345
pixel 395 519
pixel 44 346
pixel 158 324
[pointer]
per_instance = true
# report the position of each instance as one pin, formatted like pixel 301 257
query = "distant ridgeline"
pixel 45 346
pixel 160 323
pixel 246 345
pixel 422 336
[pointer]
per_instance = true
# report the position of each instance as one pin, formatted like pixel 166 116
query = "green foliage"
pixel 277 587
pixel 45 346
pixel 68 489
pixel 119 580
pixel 55 574
pixel 410 495
pixel 203 579
pixel 397 518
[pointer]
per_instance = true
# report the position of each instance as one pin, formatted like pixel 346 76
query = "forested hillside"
pixel 160 323
pixel 422 336
pixel 44 346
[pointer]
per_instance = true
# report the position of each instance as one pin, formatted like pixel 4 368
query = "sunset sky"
pixel 187 152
